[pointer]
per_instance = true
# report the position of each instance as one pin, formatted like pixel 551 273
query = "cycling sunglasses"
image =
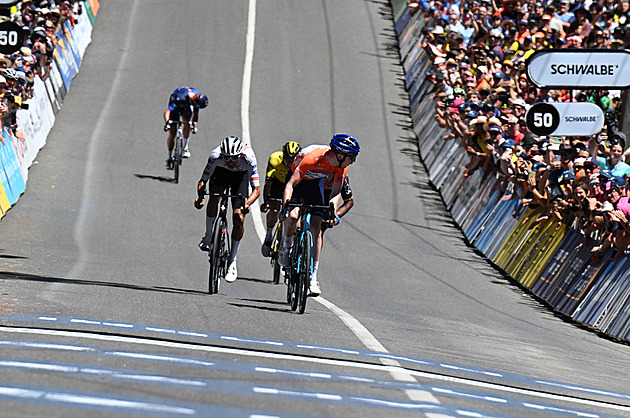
pixel 232 157
pixel 351 157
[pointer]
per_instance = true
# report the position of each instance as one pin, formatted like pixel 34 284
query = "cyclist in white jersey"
pixel 231 165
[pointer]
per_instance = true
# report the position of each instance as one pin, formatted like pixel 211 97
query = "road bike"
pixel 276 243
pixel 178 150
pixel 301 257
pixel 220 245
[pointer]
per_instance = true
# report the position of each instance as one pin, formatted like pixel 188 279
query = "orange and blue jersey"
pixel 314 165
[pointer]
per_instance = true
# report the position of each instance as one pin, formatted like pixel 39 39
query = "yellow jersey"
pixel 276 168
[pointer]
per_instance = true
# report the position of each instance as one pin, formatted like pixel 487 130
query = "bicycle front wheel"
pixel 216 256
pixel 275 250
pixel 304 270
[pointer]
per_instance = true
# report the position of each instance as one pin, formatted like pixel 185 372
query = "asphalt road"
pixel 103 303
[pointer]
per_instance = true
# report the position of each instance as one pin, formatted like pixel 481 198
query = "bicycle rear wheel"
pixel 304 270
pixel 178 157
pixel 216 256
pixel 275 250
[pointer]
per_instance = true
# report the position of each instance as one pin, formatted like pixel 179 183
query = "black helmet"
pixel 201 101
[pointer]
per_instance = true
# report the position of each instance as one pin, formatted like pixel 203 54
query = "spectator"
pixel 564 15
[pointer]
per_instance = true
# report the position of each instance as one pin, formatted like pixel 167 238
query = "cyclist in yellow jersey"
pixel 277 168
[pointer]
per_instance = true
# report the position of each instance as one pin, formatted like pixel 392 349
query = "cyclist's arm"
pixel 201 190
pixel 335 193
pixel 167 115
pixel 288 190
pixel 267 190
pixel 252 197
pixel 195 116
pixel 345 207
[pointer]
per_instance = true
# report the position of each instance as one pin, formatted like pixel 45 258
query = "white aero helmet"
pixel 232 146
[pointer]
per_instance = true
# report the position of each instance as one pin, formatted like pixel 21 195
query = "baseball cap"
pixel 606 174
pixel 617 181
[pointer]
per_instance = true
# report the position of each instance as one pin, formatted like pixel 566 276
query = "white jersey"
pixel 246 163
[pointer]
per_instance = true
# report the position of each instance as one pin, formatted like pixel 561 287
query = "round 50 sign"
pixel 11 37
pixel 565 119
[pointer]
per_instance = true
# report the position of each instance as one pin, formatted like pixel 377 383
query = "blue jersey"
pixel 180 99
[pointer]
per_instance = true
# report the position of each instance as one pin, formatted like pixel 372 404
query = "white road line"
pixel 88 186
pixel 316 360
pixel 359 330
pixel 245 100
pixel 70 398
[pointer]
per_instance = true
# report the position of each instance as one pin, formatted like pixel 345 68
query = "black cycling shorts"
pixel 310 192
pixel 183 111
pixel 235 182
pixel 277 189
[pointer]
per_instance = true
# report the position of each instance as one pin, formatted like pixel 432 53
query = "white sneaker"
pixel 204 245
pixel 232 274
pixel 186 153
pixel 284 258
pixel 313 289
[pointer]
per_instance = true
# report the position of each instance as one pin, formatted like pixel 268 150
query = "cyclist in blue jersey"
pixel 184 102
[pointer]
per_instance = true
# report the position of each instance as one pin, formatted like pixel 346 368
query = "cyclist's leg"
pixel 276 192
pixel 238 186
pixel 170 139
pixel 238 183
pixel 316 197
pixel 215 185
pixel 186 115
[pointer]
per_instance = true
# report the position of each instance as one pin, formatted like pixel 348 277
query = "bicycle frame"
pixel 221 244
pixel 179 147
pixel 301 267
pixel 276 242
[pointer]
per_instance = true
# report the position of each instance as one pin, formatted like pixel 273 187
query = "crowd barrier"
pixel 18 151
pixel 553 262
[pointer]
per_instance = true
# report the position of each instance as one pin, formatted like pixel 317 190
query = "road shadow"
pixel 158 178
pixel 254 280
pixel 8 275
pixel 10 256
pixel 263 305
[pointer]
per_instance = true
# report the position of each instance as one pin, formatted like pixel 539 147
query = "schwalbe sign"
pixel 580 68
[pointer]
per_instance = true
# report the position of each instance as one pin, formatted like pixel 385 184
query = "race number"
pixel 543 119
pixel 11 37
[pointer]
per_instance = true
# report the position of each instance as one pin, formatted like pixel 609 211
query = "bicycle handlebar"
pixel 238 196
pixel 170 122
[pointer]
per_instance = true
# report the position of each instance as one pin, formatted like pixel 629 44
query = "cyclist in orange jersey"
pixel 307 183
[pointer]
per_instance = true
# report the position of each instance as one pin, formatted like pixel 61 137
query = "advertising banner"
pixel 573 294
pixel 597 304
pixel 65 60
pixel 35 122
pixel 580 68
pixel 4 201
pixel 620 326
pixel 545 251
pixel 10 174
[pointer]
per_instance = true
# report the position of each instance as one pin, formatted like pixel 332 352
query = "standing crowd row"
pixel 479 50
